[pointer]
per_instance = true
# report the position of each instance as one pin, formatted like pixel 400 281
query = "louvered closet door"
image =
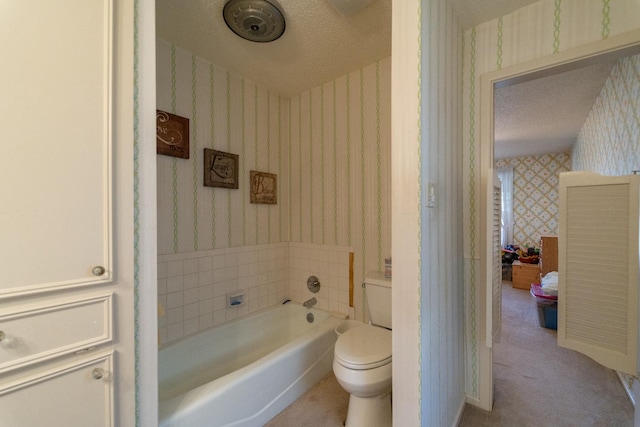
pixel 494 260
pixel 598 268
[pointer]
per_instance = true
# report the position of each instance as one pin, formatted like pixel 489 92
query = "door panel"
pixel 55 172
pixel 74 394
pixel 67 188
pixel 598 268
pixel 34 333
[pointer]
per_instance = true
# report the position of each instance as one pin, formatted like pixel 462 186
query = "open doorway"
pixel 537 69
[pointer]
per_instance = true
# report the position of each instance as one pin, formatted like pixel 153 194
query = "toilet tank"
pixel 378 297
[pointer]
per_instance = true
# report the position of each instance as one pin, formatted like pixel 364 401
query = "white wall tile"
pixel 175 332
pixel 205 263
pixel 175 268
pixel 175 315
pixel 175 284
pixel 162 270
pixel 162 286
pixel 191 266
pixel 191 280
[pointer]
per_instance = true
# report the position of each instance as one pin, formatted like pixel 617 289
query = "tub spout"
pixel 310 303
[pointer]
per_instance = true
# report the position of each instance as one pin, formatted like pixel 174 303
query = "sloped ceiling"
pixel 320 44
pixel 545 115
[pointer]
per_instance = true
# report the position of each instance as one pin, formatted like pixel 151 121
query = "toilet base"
pixel 370 411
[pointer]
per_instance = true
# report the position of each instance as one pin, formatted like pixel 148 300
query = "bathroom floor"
pixel 324 405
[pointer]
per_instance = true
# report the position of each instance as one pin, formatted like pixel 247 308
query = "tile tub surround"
pixel 193 286
pixel 330 264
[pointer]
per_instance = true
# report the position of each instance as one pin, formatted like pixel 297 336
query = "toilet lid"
pixel 366 347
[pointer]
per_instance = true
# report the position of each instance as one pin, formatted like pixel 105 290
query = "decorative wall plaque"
pixel 264 187
pixel 172 135
pixel 220 169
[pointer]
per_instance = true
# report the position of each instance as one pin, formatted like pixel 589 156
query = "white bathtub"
pixel 245 372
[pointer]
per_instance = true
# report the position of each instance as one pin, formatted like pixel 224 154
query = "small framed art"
pixel 220 169
pixel 264 188
pixel 172 135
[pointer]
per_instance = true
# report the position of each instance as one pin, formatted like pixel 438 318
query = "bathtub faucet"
pixel 310 303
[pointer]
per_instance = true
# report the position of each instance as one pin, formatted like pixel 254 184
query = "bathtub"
pixel 245 372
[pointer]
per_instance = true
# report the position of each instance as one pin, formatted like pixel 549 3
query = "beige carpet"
pixel 537 383
pixel 324 405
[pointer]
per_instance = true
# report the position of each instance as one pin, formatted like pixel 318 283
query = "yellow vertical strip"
pixel 351 280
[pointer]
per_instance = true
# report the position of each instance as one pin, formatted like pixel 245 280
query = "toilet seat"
pixel 365 347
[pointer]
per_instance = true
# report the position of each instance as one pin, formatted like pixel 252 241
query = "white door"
pixel 598 268
pixel 66 233
pixel 494 259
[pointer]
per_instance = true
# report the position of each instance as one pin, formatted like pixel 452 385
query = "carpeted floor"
pixel 324 405
pixel 536 382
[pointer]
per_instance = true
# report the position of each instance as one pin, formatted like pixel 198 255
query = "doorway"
pixel 609 49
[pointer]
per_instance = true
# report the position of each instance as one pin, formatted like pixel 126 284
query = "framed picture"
pixel 220 169
pixel 172 135
pixel 264 187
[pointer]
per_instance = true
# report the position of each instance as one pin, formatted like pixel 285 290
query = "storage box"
pixel 548 314
pixel 547 306
pixel 524 275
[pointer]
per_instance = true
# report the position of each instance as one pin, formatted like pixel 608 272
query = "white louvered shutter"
pixel 598 268
pixel 494 259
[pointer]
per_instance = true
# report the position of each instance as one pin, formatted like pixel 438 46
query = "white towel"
pixel 550 284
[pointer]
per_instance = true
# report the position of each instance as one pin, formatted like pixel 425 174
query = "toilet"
pixel 362 359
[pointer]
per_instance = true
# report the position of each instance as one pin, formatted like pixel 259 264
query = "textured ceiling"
pixel 545 115
pixel 319 44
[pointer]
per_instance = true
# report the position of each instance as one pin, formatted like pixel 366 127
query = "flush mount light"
pixel 254 20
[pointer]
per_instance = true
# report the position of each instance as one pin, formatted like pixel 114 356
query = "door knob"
pixel 97 373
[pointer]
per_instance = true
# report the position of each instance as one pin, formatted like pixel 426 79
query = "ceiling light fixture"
pixel 254 20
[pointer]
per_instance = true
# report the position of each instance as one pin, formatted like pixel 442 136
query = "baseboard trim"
pixel 458 418
pixel 627 387
pixel 473 401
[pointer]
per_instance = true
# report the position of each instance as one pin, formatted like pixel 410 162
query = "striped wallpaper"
pixel 226 113
pixel 329 146
pixel 340 169
pixel 532 32
pixel 441 280
pixel 609 141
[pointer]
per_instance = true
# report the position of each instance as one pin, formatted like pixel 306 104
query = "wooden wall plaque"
pixel 220 169
pixel 172 135
pixel 264 188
